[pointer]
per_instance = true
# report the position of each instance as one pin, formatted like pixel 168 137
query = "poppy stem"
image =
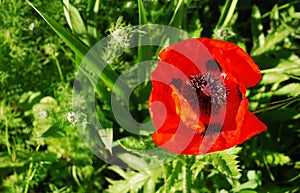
pixel 186 175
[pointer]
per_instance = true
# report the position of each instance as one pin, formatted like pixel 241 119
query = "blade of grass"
pixel 227 13
pixel 93 61
pixel 142 13
pixel 177 18
pixel 144 52
pixel 257 28
pixel 93 9
pixel 75 21
pixel 75 44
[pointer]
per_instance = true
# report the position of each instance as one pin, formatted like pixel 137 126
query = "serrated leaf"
pixel 225 162
pixel 118 170
pixel 292 89
pixel 149 187
pixel 133 181
pixel 198 166
pixel 146 148
pixel 132 143
pixel 175 171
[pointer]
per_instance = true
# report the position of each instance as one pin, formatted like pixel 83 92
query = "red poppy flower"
pixel 198 103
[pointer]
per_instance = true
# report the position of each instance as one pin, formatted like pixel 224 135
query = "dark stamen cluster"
pixel 206 90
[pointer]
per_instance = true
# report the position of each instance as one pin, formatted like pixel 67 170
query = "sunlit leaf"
pixel 271 78
pixel 257 28
pixel 75 21
pixel 225 162
pixel 292 89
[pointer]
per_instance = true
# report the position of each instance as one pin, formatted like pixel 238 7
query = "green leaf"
pixel 92 61
pixel 24 157
pixel 227 13
pixel 225 162
pixel 273 38
pixel 142 143
pixel 292 89
pixel 134 162
pixel 92 20
pixel 257 28
pixel 254 180
pixel 133 181
pixel 44 114
pixel 273 77
pixel 275 158
pixel 198 166
pixel 74 43
pixel 56 130
pixel 106 132
pixel 178 15
pixel 142 13
pixel 174 171
pixel 75 21
pixel 144 52
pixel 149 187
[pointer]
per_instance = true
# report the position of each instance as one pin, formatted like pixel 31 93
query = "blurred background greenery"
pixel 40 148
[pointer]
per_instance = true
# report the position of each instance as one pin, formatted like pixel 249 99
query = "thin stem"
pixel 268 169
pixel 30 173
pixel 186 175
pixel 227 13
pixel 7 136
pixel 58 68
pixel 279 104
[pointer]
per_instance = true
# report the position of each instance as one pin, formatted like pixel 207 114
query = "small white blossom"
pixel 43 114
pixel 119 35
pixel 31 26
pixel 129 4
pixel 73 117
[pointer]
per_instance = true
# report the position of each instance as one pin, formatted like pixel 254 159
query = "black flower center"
pixel 207 91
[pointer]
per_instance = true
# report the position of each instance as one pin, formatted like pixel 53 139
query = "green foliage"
pixel 43 44
pixel 226 162
pixel 133 181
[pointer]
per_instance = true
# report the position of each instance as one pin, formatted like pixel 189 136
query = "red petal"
pixel 251 126
pixel 189 56
pixel 186 141
pixel 162 107
pixel 234 60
